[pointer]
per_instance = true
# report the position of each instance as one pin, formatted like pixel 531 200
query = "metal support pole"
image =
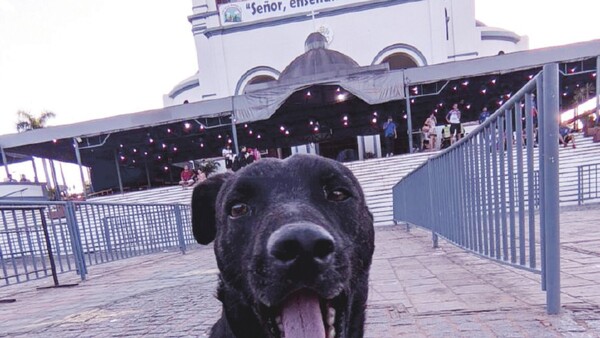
pixel 551 190
pixel 408 119
pixel 78 156
pixel 147 174
pixel 45 167
pixel 118 171
pixel 234 133
pixel 55 181
pixel 4 161
pixel 35 174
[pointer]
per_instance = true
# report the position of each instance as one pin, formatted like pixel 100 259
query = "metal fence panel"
pixel 43 239
pixel 484 189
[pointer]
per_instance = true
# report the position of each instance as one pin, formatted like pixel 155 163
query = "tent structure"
pixel 322 97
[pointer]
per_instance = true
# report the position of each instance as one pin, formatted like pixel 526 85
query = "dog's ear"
pixel 203 207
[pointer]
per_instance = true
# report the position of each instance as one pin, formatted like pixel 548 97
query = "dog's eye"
pixel 337 195
pixel 239 210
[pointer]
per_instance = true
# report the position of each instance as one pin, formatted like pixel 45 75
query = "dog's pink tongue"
pixel 301 316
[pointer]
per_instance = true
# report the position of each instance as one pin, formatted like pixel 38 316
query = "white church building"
pixel 239 43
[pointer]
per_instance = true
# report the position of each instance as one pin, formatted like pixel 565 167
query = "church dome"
pixel 316 60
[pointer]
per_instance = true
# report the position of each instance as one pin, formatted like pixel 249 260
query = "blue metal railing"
pixel 43 239
pixel 588 182
pixel 484 192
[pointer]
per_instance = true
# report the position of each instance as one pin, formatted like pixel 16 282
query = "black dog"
pixel 293 241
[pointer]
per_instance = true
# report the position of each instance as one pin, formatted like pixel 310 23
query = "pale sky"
pixel 86 59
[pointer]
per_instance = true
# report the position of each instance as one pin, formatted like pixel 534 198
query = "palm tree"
pixel 27 121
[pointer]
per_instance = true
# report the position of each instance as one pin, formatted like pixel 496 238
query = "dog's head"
pixel 293 242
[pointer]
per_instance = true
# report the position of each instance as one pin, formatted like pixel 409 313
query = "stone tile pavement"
pixel 415 291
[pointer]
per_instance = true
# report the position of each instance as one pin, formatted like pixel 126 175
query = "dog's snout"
pixel 301 241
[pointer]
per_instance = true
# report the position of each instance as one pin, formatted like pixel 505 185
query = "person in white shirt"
pixel 453 117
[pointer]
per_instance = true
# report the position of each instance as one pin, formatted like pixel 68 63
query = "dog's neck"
pixel 239 313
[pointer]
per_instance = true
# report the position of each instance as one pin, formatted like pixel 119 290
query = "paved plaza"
pixel 416 291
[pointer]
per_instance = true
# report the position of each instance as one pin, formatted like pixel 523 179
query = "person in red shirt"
pixel 187 177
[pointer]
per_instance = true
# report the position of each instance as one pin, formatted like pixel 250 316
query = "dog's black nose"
pixel 301 241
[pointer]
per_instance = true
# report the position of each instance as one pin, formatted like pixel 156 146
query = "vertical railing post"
pixel 540 176
pixel 75 236
pixel 551 187
pixel 48 246
pixel 433 220
pixel 580 185
pixel 179 223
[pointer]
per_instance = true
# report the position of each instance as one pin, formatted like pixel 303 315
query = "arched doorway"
pixel 261 79
pixel 400 61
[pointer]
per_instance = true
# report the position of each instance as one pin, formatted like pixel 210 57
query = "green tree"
pixel 27 121
pixel 208 166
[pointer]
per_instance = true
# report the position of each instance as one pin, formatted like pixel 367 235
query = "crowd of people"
pixel 233 163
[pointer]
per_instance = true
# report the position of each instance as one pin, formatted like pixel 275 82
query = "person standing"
pixel 483 115
pixel 242 159
pixel 390 135
pixel 453 117
pixel 431 123
pixel 227 156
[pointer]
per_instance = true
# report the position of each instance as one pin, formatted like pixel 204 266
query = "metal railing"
pixel 483 193
pixel 43 239
pixel 588 182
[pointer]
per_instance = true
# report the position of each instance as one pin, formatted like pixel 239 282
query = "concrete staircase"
pixel 378 176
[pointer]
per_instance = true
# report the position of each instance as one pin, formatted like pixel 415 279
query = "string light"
pixel 187 125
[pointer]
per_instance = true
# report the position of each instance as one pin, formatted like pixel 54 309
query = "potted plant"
pixel 208 166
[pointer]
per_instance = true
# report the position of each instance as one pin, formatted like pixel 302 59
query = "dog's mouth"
pixel 304 314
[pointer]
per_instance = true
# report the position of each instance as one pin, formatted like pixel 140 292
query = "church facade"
pixel 241 43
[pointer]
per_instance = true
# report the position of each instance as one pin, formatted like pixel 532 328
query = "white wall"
pixel 225 54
